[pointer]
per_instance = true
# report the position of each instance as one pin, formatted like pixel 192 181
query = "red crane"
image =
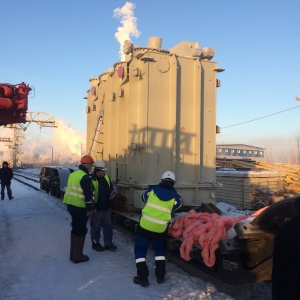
pixel 13 103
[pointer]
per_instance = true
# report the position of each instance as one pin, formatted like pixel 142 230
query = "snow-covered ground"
pixel 34 260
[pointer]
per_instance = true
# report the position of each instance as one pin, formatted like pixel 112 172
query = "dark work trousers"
pixel 79 220
pixel 101 220
pixel 7 186
pixel 142 244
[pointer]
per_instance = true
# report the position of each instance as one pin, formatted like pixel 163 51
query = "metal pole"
pixel 80 150
pixel 15 148
pixel 52 153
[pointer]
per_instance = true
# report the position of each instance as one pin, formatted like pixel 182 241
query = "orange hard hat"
pixel 87 159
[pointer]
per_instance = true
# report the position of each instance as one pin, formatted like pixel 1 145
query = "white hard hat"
pixel 168 175
pixel 99 164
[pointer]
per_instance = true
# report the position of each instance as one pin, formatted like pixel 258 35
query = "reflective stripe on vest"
pixel 156 214
pixel 95 185
pixel 74 194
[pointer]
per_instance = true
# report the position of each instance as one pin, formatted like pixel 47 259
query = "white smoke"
pixel 129 28
pixel 66 143
pixel 69 145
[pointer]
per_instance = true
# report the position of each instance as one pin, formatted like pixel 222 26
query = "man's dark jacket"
pixel 286 260
pixel 6 175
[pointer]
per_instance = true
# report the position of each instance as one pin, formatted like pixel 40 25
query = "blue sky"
pixel 57 46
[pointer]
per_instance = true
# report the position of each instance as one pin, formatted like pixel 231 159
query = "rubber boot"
pixel 78 256
pixel 72 247
pixel 142 274
pixel 160 270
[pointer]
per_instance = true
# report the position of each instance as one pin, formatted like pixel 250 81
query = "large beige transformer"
pixel 156 111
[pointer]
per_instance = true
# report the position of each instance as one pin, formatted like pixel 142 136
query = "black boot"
pixel 78 256
pixel 142 274
pixel 160 271
pixel 72 247
pixel 140 281
pixel 111 247
pixel 108 245
pixel 98 247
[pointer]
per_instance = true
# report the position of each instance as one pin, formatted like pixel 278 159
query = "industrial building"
pixel 240 151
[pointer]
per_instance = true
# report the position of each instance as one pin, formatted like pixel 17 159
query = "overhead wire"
pixel 261 117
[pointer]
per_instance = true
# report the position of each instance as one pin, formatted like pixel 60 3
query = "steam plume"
pixel 67 145
pixel 129 28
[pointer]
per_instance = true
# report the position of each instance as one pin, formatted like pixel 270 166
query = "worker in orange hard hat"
pixel 79 199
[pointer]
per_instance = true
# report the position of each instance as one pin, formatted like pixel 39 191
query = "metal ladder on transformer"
pixel 98 124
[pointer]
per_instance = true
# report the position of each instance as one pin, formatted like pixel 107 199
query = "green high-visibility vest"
pixel 74 194
pixel 156 214
pixel 95 185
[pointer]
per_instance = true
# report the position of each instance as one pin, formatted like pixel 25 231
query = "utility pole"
pixel 52 154
pixel 298 140
pixel 80 150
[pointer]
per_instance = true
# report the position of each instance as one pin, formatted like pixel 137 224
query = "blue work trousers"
pixel 101 220
pixel 142 244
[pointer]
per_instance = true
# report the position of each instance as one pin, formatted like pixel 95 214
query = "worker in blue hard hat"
pixel 160 200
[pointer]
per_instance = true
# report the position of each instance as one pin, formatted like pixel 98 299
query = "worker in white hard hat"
pixel 104 194
pixel 160 200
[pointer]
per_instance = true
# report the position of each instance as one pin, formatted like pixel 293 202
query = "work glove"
pixel 112 199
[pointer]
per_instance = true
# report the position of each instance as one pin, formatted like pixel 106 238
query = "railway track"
pixel 234 272
pixel 124 223
pixel 27 180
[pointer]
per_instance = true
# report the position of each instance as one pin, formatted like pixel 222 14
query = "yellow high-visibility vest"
pixel 156 214
pixel 74 194
pixel 95 185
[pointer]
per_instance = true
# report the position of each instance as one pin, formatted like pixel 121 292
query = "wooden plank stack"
pixel 248 183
